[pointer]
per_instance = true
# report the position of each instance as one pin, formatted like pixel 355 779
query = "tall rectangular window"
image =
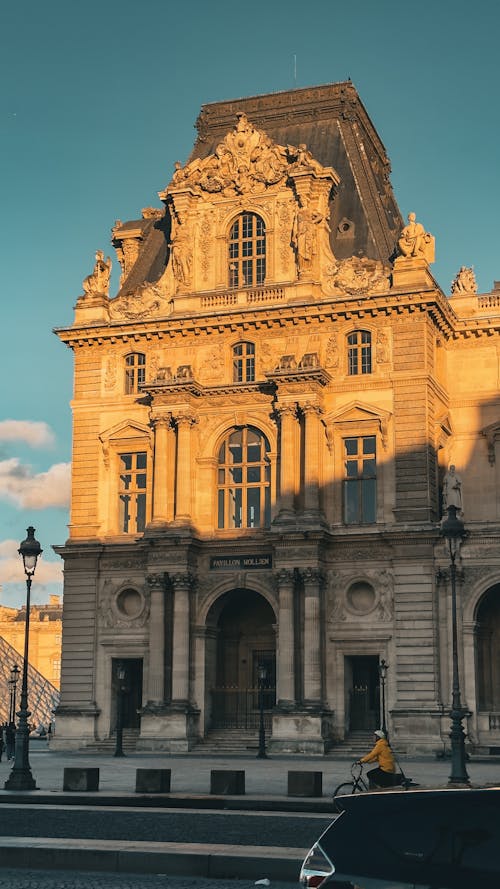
pixel 360 480
pixel 359 352
pixel 132 492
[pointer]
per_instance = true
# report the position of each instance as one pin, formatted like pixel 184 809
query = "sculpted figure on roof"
pixel 98 280
pixel 414 242
pixel 464 281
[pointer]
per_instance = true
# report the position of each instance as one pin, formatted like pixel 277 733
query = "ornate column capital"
pixel 185 420
pixel 156 582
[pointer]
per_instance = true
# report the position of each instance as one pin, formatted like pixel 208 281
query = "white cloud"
pixel 28 490
pixel 11 566
pixel 35 434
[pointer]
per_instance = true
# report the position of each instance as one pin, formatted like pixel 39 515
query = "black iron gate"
pixel 240 707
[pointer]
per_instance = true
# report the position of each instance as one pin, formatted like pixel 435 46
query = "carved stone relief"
pixel 357 276
pixel 123 605
pixel 355 598
pixel 110 376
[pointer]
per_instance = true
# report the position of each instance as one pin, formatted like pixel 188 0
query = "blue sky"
pixel 99 99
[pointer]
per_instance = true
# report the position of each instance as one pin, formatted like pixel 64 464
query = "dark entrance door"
pixel 130 687
pixel 245 641
pixel 364 700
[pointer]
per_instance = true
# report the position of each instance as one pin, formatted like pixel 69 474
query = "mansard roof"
pixel 332 121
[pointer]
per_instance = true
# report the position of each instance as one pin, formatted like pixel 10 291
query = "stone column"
pixel 156 675
pixel 287 415
pixel 181 584
pixel 311 458
pixel 183 473
pixel 163 431
pixel 312 637
pixel 286 640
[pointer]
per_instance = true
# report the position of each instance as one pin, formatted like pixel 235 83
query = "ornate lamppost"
pixel 262 677
pixel 121 673
pixel 382 672
pixel 14 679
pixel 453 531
pixel 20 777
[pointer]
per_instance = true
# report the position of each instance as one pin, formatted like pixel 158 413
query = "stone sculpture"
pixel 452 490
pixel 414 242
pixel 464 281
pixel 98 281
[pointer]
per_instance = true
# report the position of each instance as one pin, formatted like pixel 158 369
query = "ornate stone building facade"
pixel 264 418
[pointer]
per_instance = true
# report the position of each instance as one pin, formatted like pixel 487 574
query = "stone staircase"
pixel 354 745
pixel 107 745
pixel 229 742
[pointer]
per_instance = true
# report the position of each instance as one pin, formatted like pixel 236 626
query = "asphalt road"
pixel 160 825
pixel 15 879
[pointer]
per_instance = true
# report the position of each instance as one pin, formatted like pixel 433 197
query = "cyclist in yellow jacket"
pixel 383 775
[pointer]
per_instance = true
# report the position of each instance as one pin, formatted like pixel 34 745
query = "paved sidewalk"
pixel 190 773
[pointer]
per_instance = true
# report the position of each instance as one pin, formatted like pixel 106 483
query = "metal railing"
pixel 240 708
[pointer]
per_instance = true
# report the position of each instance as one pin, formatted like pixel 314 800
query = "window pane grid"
pixel 247 250
pixel 132 492
pixel 360 480
pixel 243 498
pixel 135 372
pixel 359 352
pixel 244 363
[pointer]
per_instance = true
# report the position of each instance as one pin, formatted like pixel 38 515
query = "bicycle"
pixel 359 785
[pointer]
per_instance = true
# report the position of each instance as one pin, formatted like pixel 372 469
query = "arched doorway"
pixel 487 648
pixel 242 640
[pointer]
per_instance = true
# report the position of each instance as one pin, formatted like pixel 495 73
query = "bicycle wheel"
pixel 344 789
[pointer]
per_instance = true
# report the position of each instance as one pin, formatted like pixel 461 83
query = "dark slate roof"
pixel 152 257
pixel 332 121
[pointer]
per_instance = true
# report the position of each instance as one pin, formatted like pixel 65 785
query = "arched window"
pixel 244 480
pixel 359 352
pixel 247 251
pixel 135 372
pixel 243 363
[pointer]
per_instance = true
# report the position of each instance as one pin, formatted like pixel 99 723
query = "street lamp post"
pixel 453 531
pixel 119 711
pixel 20 777
pixel 382 672
pixel 262 676
pixel 14 678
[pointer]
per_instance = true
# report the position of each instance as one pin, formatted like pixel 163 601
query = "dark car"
pixel 430 839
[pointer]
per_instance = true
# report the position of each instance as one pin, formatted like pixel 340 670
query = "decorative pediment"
pixel 356 413
pixel 246 161
pixel 128 434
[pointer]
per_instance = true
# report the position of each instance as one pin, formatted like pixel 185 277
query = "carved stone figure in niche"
pixel 332 353
pixel 98 280
pixel 414 242
pixel 452 490
pixel 304 236
pixel 182 255
pixel 382 350
pixel 464 281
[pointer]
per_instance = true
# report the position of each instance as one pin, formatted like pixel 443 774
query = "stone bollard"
pixel 305 783
pixel 81 779
pixel 152 780
pixel 226 781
